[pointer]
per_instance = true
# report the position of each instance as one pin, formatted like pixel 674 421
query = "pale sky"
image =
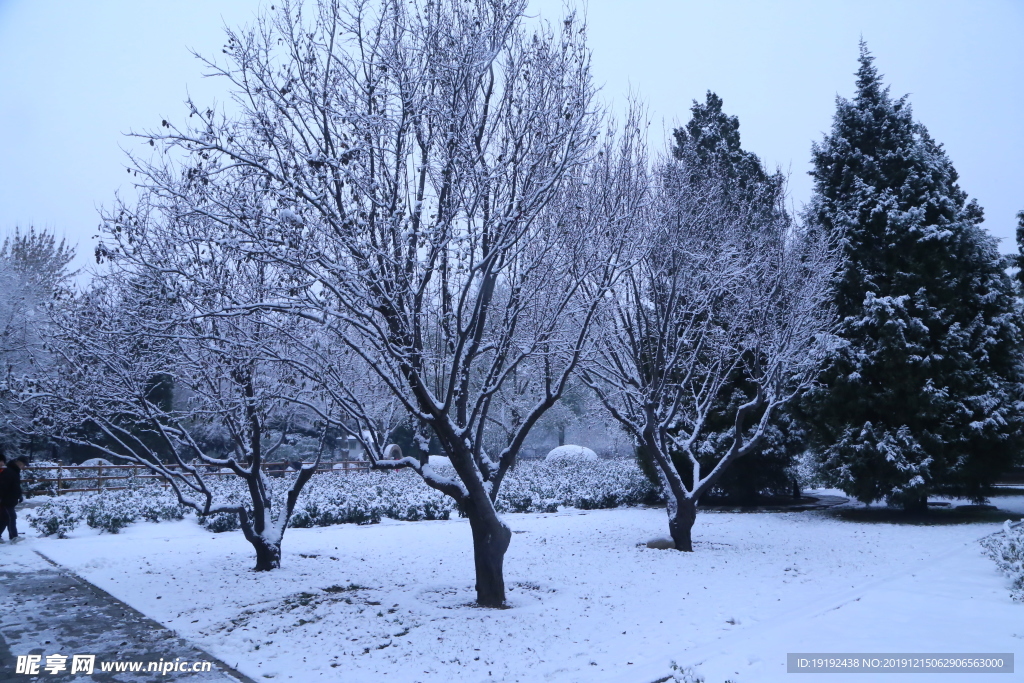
pixel 75 76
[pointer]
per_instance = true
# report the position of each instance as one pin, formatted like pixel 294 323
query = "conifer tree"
pixel 1020 249
pixel 923 393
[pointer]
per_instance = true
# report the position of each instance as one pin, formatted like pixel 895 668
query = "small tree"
pixel 437 194
pixel 155 323
pixel 34 278
pixel 710 303
pixel 924 394
pixel 709 147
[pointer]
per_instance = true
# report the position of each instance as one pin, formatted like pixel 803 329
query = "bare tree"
pixel 711 298
pixel 34 278
pixel 430 164
pixel 151 363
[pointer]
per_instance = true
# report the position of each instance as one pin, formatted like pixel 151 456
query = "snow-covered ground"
pixel 393 601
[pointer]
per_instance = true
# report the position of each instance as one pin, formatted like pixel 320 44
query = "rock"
pixel 661 544
pixel 569 452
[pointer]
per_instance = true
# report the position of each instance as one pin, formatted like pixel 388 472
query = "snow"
pixel 392 601
pixel 569 452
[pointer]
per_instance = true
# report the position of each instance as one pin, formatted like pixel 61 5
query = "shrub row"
pixel 544 486
pixel 363 498
pixel 110 511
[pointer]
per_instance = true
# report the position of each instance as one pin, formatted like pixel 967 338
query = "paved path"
pixel 44 610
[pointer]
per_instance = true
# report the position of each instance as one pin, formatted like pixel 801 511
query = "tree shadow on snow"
pixel 966 514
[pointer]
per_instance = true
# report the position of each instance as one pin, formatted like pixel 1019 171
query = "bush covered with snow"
pixel 570 452
pixel 56 517
pixel 360 498
pixel 1007 549
pixel 32 483
pixel 587 485
pixel 109 511
pixel 684 675
pixel 366 498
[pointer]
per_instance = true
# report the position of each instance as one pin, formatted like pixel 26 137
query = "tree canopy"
pixel 923 394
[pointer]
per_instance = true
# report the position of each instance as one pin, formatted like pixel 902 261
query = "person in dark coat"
pixel 11 495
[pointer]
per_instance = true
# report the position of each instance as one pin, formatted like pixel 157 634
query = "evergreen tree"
pixel 723 172
pixel 1020 248
pixel 923 393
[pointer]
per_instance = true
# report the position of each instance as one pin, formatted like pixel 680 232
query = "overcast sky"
pixel 75 76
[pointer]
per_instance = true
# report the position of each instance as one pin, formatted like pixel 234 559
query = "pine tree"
pixel 709 146
pixel 923 394
pixel 1020 248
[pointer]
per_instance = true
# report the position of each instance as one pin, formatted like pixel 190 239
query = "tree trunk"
pixel 268 555
pixel 917 504
pixel 681 517
pixel 490 541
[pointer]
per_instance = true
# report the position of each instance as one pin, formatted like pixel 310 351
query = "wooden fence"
pixel 66 478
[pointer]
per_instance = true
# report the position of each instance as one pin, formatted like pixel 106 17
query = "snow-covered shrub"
pixel 228 490
pixel 110 511
pixel 31 478
pixel 530 487
pixel 587 485
pixel 365 498
pixel 98 468
pixel 56 518
pixel 154 507
pixel 811 473
pixel 360 497
pixel 108 518
pixel 570 452
pixel 114 510
pixel 685 675
pixel 220 522
pixel 1007 549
